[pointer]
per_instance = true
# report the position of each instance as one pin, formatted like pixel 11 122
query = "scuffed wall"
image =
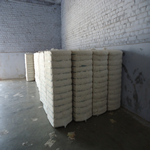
pixel 115 24
pixel 12 65
pixel 136 79
pixel 26 27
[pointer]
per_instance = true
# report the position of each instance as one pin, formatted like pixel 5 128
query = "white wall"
pixel 102 23
pixel 26 27
pixel 12 65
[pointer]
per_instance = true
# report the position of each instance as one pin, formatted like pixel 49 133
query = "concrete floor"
pixel 23 120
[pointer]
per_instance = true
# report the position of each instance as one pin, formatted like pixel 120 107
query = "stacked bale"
pixel 39 73
pixel 114 79
pixel 58 87
pixel 36 67
pixel 82 84
pixel 100 73
pixel 29 67
pixel 42 77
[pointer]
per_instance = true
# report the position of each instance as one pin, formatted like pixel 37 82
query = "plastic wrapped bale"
pixel 29 67
pixel 36 66
pixel 58 87
pixel 40 63
pixel 100 73
pixel 42 83
pixel 82 84
pixel 114 79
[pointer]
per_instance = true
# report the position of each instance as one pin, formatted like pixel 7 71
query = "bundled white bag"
pixel 100 73
pixel 36 68
pixel 58 85
pixel 114 78
pixel 42 83
pixel 82 84
pixel 29 67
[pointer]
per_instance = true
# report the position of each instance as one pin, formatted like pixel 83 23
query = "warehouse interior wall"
pixel 114 24
pixel 26 27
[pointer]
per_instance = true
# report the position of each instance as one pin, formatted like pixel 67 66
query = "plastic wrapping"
pixel 29 67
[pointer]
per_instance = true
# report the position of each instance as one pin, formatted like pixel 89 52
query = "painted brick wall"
pixel 27 27
pixel 103 23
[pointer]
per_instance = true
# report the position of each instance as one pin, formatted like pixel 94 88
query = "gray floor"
pixel 23 120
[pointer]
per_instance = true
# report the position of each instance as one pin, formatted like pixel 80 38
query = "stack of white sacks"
pixel 114 79
pixel 42 84
pixel 92 71
pixel 29 66
pixel 36 67
pixel 58 105
pixel 100 75
pixel 82 84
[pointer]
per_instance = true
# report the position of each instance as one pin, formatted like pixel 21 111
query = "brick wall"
pixel 27 27
pixel 104 23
